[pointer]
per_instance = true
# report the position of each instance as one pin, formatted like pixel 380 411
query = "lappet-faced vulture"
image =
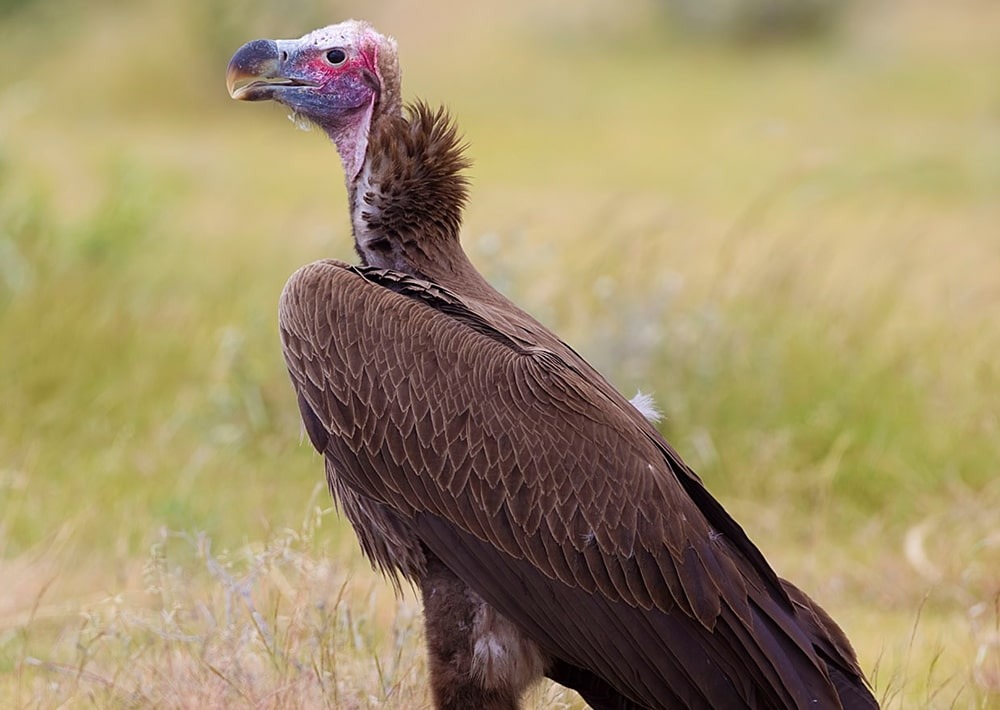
pixel 549 527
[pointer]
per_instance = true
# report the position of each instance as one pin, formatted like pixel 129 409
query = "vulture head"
pixel 338 78
pixel 404 170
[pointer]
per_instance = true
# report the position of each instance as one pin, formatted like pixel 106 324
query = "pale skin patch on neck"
pixel 352 143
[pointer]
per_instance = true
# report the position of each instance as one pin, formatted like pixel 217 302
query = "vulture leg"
pixel 477 658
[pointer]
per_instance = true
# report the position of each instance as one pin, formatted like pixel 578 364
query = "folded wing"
pixel 536 484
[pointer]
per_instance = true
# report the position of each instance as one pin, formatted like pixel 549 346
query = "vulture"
pixel 549 527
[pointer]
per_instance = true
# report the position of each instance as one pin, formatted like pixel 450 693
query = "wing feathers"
pixel 318 434
pixel 524 473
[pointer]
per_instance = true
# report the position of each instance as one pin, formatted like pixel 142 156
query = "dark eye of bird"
pixel 336 56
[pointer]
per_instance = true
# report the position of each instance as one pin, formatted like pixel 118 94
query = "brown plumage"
pixel 550 528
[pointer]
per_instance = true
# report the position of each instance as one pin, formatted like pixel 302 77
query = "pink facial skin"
pixel 329 78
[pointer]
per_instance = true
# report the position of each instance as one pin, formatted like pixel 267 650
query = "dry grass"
pixel 289 623
pixel 276 624
pixel 271 625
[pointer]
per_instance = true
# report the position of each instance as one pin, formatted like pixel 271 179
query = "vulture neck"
pixel 407 200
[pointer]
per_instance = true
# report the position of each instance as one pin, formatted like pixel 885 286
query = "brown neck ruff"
pixel 407 200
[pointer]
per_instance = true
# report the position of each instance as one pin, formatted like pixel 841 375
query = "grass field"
pixel 796 249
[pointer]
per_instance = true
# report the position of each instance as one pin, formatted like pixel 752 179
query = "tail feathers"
pixel 854 693
pixel 835 649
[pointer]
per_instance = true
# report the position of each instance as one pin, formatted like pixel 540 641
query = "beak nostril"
pixel 284 56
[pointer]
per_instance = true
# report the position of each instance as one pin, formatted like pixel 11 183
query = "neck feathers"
pixel 408 197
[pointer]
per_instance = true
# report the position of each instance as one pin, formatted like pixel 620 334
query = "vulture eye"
pixel 336 56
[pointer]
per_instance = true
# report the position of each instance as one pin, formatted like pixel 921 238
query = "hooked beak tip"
pixel 254 60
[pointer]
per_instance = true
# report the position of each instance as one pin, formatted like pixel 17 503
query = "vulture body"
pixel 549 527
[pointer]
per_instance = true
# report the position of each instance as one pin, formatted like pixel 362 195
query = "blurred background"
pixel 781 217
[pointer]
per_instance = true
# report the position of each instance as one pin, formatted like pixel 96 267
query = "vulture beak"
pixel 258 70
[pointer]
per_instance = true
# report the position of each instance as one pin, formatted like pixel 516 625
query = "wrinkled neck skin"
pixel 350 136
